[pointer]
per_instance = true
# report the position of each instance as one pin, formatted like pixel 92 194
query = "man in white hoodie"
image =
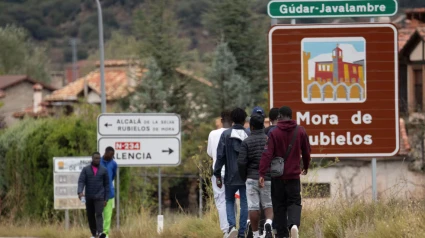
pixel 219 193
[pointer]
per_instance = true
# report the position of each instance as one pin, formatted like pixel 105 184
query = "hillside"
pixel 55 21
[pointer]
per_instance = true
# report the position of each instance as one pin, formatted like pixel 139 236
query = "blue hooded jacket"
pixel 112 167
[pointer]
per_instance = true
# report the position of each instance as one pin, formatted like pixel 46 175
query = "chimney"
pixel 38 97
pixel 133 67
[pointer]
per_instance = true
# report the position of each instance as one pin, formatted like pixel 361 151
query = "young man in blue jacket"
pixel 108 162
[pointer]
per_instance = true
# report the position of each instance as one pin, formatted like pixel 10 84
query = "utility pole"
pixel 74 59
pixel 102 57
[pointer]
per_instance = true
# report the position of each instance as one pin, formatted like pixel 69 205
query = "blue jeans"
pixel 230 207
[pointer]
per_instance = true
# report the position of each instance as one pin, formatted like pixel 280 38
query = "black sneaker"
pixel 248 230
pixel 102 235
pixel 268 230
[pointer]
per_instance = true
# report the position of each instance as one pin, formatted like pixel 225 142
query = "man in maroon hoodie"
pixel 286 190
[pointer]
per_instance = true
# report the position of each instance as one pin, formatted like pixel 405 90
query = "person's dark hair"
pixel 95 153
pixel 225 115
pixel 109 149
pixel 273 114
pixel 285 112
pixel 238 116
pixel 257 121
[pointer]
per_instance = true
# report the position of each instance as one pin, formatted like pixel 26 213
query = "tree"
pixel 157 28
pixel 231 89
pixel 120 46
pixel 19 55
pixel 150 95
pixel 245 33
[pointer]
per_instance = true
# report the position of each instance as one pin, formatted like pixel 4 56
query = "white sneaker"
pixel 233 233
pixel 294 231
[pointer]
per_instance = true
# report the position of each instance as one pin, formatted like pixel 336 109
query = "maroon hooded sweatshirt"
pixel 278 141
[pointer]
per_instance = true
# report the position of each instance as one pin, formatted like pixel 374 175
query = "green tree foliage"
pixel 245 32
pixel 150 95
pixel 158 30
pixel 120 46
pixel 19 55
pixel 26 162
pixel 231 89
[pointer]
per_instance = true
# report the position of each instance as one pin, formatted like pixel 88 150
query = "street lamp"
pixel 102 58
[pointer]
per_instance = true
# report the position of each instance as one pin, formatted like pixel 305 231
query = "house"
pixel 412 62
pixel 19 92
pixel 120 81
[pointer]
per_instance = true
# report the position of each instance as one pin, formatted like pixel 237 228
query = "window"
pixel 418 90
pixel 316 190
pixel 354 70
pixel 340 54
pixel 328 68
pixel 334 53
pixel 320 67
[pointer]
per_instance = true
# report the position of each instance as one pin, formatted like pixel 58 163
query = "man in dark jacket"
pixel 286 190
pixel 249 163
pixel 94 178
pixel 227 155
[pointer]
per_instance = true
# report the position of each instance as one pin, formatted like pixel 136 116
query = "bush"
pixel 27 151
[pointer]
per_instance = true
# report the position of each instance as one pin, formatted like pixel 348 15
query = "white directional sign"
pixel 143 151
pixel 65 181
pixel 160 124
pixel 141 139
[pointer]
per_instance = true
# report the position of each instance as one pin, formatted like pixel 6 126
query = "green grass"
pixel 338 220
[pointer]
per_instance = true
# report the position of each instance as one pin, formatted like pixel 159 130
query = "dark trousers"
pixel 286 198
pixel 94 210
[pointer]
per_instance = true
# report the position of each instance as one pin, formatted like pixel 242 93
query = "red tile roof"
pixel 116 80
pixel 415 10
pixel 116 86
pixel 11 80
pixel 406 33
pixel 29 111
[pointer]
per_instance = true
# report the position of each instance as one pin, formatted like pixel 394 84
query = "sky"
pixel 317 48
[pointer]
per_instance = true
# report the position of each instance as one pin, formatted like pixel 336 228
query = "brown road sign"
pixel 341 82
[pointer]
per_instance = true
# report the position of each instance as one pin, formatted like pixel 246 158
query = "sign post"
pixel 65 183
pixel 339 87
pixel 141 139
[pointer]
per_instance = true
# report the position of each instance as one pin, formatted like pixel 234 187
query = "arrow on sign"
pixel 106 124
pixel 169 151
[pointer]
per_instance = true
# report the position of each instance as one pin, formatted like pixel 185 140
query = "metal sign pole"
pixel 118 197
pixel 66 220
pixel 160 218
pixel 159 192
pixel 374 190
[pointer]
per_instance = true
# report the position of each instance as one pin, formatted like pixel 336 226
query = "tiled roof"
pixel 415 10
pixel 116 86
pixel 29 111
pixel 10 80
pixel 405 34
pixel 190 74
pixel 116 80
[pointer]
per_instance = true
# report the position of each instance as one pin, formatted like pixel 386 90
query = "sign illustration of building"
pixel 333 70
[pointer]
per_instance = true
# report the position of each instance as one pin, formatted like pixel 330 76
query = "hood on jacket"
pixel 287 125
